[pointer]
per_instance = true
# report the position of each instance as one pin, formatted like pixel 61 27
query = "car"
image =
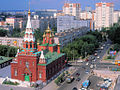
pixel 86 60
pixel 74 88
pixel 82 89
pixel 94 60
pixel 95 54
pixel 86 71
pixel 87 63
pixel 80 61
pixel 78 79
pixel 101 47
pixel 77 74
pixel 98 57
pixel 91 66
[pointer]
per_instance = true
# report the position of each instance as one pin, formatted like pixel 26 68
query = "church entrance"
pixel 27 78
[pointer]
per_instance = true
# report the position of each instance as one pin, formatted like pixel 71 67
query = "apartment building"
pixel 104 15
pixel 72 9
pixel 68 36
pixel 116 16
pixel 64 23
pixel 17 42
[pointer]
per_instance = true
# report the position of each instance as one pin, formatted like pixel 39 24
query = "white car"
pixel 87 63
pixel 98 57
pixel 101 47
pixel 83 89
pixel 80 61
pixel 94 60
pixel 91 66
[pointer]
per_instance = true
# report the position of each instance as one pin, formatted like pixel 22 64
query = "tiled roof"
pixel 50 57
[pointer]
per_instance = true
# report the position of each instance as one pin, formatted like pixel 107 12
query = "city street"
pixel 82 68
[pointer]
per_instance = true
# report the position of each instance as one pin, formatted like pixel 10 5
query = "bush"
pixel 11 83
pixel 109 57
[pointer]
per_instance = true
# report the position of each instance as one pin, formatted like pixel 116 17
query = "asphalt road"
pixel 82 68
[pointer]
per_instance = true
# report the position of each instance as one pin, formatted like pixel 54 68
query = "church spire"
pixel 29 38
pixel 29 22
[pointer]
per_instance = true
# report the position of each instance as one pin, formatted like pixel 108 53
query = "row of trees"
pixel 83 46
pixel 114 33
pixel 3 32
pixel 7 51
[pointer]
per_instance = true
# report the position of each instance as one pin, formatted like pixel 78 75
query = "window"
pixel 30 44
pixel 27 64
pixel 26 44
pixel 15 72
pixel 33 63
pixel 20 62
pixel 40 76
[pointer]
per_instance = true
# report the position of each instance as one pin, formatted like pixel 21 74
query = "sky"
pixel 50 4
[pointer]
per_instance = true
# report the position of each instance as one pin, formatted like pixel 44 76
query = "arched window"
pixel 30 44
pixel 26 44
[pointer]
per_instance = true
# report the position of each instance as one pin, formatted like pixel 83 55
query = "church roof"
pixel 50 57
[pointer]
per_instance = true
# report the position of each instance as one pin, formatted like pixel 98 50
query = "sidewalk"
pixel 53 86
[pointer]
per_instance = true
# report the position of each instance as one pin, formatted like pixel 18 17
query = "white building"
pixel 12 22
pixel 64 23
pixel 116 16
pixel 17 42
pixel 85 15
pixel 104 15
pixel 72 9
pixel 68 36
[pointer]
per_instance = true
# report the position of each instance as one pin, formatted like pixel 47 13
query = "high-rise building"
pixel 72 9
pixel 116 16
pixel 65 23
pixel 104 15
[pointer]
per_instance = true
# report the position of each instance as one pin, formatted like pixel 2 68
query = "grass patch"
pixel 10 83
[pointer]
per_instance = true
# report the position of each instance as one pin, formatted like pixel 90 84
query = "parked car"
pixel 91 66
pixel 95 54
pixel 86 83
pixel 101 47
pixel 87 71
pixel 82 89
pixel 78 79
pixel 77 74
pixel 87 63
pixel 98 57
pixel 69 79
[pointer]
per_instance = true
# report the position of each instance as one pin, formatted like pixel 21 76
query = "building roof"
pixel 46 44
pixel 4 59
pixel 50 57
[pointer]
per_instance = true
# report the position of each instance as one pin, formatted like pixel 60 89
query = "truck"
pixel 85 84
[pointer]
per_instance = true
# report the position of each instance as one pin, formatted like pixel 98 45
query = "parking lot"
pixel 94 80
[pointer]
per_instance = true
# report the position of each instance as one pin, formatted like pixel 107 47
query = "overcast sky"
pixel 49 4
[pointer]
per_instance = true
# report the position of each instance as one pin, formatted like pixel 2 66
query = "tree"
pixel 116 47
pixel 3 32
pixel 38 35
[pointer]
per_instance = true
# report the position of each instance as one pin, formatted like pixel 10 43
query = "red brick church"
pixel 37 63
